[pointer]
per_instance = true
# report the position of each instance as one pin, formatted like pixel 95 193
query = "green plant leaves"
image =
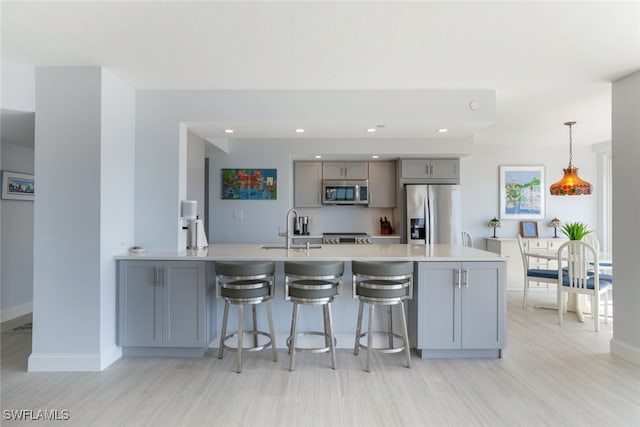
pixel 575 230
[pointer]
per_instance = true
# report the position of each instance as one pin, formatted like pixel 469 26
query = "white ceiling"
pixel 549 62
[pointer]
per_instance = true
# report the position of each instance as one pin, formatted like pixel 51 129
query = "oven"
pixel 346 239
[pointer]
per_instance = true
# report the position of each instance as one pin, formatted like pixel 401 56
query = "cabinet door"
pixel 382 184
pixel 445 168
pixel 307 184
pixel 415 168
pixel 345 170
pixel 356 170
pixel 184 304
pixel 140 303
pixel 439 302
pixel 483 305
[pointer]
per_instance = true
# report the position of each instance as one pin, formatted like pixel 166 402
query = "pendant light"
pixel 570 184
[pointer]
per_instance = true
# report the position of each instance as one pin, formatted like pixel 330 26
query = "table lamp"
pixel 555 223
pixel 495 223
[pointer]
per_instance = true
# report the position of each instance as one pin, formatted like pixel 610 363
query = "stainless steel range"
pixel 346 238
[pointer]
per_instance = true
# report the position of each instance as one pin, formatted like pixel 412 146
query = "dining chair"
pixel 467 240
pixel 604 267
pixel 576 275
pixel 534 274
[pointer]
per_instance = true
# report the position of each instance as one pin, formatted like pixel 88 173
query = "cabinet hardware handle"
pixel 164 277
pixel 465 277
pixel 156 279
pixel 457 279
pixel 431 170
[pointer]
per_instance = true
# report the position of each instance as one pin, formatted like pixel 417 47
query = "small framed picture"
pixel 17 186
pixel 528 229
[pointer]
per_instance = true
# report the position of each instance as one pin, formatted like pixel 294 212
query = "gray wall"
pixel 17 239
pixel 626 214
pixel 83 210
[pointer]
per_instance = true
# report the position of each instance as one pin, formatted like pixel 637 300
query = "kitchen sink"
pixel 304 247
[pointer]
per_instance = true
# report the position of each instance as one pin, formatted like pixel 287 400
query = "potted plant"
pixel 575 230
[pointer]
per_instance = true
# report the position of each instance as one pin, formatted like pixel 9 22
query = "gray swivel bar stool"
pixel 312 283
pixel 242 283
pixel 382 283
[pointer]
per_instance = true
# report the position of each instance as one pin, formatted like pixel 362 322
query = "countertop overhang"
pixel 256 252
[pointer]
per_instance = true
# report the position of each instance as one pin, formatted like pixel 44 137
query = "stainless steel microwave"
pixel 354 192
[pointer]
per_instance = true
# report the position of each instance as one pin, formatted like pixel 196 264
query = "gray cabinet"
pixel 382 184
pixel 307 184
pixel 161 304
pixel 345 170
pixel 459 309
pixel 447 170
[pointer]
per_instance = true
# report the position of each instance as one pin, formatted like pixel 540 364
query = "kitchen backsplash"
pixel 340 219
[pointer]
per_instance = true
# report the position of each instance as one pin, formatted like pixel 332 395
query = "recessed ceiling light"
pixel 375 156
pixel 317 156
pixel 371 130
pixel 443 130
pixel 299 130
pixel 228 131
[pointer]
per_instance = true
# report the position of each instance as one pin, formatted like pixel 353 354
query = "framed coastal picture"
pixel 522 192
pixel 17 186
pixel 249 184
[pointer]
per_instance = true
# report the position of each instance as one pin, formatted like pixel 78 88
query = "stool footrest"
pixel 383 349
pixel 252 348
pixel 312 349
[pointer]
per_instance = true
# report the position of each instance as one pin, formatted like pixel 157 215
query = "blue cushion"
pixel 606 277
pixel 590 284
pixel 544 274
pixel 602 276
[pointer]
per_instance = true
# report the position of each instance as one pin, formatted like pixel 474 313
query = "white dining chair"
pixel 576 275
pixel 467 240
pixel 534 274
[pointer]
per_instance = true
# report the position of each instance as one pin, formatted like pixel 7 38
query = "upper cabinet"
pixel 307 184
pixel 382 184
pixel 345 170
pixel 446 171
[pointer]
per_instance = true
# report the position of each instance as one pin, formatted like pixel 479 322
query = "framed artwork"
pixel 522 192
pixel 249 184
pixel 18 186
pixel 528 229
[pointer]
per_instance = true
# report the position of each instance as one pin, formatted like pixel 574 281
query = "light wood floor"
pixel 549 376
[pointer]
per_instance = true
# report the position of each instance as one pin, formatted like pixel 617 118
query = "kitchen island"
pixel 167 304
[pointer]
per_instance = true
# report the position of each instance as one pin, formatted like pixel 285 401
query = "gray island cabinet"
pixel 161 308
pixel 167 305
pixel 459 309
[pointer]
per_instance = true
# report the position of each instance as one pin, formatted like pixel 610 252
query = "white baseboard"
pixel 73 362
pixel 17 311
pixel 625 351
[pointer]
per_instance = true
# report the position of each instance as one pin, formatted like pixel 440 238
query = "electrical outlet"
pixel 238 214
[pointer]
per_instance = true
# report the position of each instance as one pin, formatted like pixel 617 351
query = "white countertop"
pixel 255 252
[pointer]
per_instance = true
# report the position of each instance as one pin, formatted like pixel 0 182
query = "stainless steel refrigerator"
pixel 432 214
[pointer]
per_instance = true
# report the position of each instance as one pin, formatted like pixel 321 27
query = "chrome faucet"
pixel 287 233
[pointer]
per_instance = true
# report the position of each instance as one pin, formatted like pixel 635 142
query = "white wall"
pixel 626 213
pixel 18 86
pixel 17 239
pixel 17 89
pixel 117 175
pixel 195 171
pixel 159 145
pixel 82 215
pixel 480 187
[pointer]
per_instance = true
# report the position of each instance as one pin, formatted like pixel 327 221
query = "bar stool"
pixel 312 283
pixel 242 283
pixel 382 283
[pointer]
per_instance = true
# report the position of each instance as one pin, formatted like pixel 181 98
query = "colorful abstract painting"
pixel 249 184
